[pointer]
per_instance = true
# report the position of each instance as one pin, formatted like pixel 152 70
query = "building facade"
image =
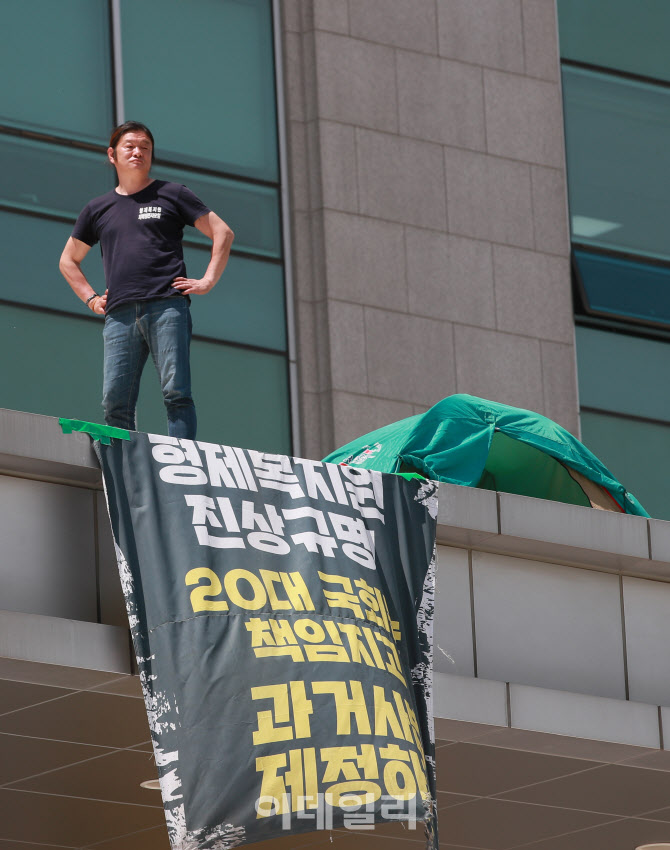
pixel 428 189
pixel 615 85
pixel 396 176
pixel 429 197
pixel 423 244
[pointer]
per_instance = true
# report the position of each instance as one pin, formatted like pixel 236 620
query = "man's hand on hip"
pixel 190 286
pixel 99 304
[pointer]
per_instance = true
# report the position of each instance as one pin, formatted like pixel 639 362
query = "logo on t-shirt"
pixel 149 212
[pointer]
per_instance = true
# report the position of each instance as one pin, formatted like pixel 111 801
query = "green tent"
pixel 479 443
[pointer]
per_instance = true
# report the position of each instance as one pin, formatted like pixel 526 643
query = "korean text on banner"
pixel 281 612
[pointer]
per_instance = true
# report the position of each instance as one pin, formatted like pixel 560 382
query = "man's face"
pixel 132 153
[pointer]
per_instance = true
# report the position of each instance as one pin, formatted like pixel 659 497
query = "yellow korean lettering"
pixel 273 799
pixel 299 783
pixel 256 599
pixel 334 634
pixel 402 706
pixel 261 632
pixel 373 600
pixel 385 716
pixel 400 781
pixel 348 762
pixel 309 630
pixel 415 731
pixel 201 596
pixel 297 592
pixel 302 708
pixel 393 751
pixel 327 652
pixel 267 731
pixel 384 608
pixel 295 780
pixel 359 653
pixel 270 638
pixel 311 799
pixel 344 598
pixel 392 659
pixel 333 651
pixel 294 652
pixel 270 578
pixel 374 648
pixel 282 631
pixel 347 706
pixel 420 773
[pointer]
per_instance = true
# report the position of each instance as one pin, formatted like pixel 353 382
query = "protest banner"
pixel 281 613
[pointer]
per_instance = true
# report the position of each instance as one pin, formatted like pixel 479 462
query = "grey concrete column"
pixel 429 210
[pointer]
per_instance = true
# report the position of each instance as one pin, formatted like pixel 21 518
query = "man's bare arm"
pixel 222 238
pixel 70 266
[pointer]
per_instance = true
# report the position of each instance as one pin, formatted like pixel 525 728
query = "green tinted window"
pixel 252 211
pixel 56 68
pixel 241 396
pixel 623 373
pixel 624 288
pixel 246 305
pixel 201 75
pixel 637 453
pixel 31 250
pixel 627 35
pixel 617 135
pixel 56 364
pixel 53 179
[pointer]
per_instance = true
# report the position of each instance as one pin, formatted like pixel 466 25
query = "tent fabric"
pixel 474 442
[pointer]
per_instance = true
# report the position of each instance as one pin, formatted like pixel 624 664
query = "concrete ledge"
pixel 467 516
pixel 67 643
pixel 659 542
pixel 34 446
pixel 605 534
pixel 544 711
pixel 552 531
pixel 584 716
pixel 474 700
pixel 72 678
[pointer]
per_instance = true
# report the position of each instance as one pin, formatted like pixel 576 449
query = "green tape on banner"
pixel 104 433
pixel 411 475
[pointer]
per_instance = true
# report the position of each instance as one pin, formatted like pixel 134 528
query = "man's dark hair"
pixel 131 127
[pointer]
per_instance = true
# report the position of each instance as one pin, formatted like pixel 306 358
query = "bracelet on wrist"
pixel 90 298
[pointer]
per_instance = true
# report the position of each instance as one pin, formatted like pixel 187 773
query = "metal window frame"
pixel 580 295
pixel 285 223
pixel 584 313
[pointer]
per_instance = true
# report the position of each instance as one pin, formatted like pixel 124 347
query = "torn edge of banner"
pixel 104 433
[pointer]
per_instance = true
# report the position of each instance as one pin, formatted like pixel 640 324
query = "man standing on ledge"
pixel 140 227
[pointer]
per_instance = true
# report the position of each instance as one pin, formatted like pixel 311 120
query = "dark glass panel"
pixel 246 305
pixel 624 288
pixel 627 35
pixel 618 137
pixel 637 453
pixel 56 67
pixel 201 75
pixel 251 210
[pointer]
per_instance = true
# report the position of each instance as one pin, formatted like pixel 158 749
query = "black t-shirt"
pixel 140 238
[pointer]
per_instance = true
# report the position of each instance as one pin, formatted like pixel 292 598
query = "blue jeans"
pixel 160 327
